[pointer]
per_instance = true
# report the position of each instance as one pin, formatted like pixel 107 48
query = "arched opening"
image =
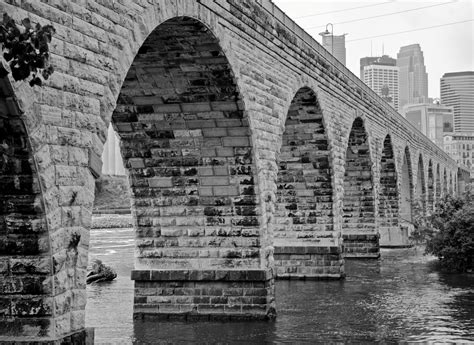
pixel 451 186
pixel 445 183
pixel 406 210
pixel 185 141
pixel 359 231
pixel 26 256
pixel 430 187
pixel 455 183
pixel 421 186
pixel 461 181
pixel 438 190
pixel 388 197
pixel 304 208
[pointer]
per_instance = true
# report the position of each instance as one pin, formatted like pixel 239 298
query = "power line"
pixel 402 32
pixel 383 15
pixel 344 10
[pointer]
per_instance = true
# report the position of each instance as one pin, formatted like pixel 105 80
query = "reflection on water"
pixel 402 297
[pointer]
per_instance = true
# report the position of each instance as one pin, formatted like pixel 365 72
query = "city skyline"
pixel 413 76
pixel 446 48
pixel 457 90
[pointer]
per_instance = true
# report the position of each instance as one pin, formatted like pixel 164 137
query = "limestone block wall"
pixel 304 216
pixel 26 287
pixel 389 209
pixel 359 227
pixel 431 191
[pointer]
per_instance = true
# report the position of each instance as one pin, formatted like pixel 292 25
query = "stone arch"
pixel 421 185
pixel 445 183
pixel 304 207
pixel 451 186
pixel 456 186
pixel 358 216
pixel 438 191
pixel 406 197
pixel 187 146
pixel 388 196
pixel 26 248
pixel 431 187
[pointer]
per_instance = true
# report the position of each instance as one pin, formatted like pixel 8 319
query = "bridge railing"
pixel 290 24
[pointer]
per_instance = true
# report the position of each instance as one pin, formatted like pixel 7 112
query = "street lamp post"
pixel 326 32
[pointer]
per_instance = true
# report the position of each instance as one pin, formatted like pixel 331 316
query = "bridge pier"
pixel 361 246
pixel 396 236
pixel 309 262
pixel 82 337
pixel 204 294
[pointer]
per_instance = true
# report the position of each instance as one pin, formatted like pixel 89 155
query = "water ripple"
pixel 399 299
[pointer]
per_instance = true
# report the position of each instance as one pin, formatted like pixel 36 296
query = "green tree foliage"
pixel 449 233
pixel 26 49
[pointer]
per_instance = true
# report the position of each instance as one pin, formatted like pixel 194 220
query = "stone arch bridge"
pixel 251 153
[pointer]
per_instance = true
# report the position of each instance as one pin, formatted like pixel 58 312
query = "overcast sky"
pixel 448 48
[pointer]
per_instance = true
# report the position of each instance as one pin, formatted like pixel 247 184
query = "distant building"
pixel 460 146
pixel 111 157
pixel 457 90
pixel 336 45
pixel 383 60
pixel 381 75
pixel 433 120
pixel 413 79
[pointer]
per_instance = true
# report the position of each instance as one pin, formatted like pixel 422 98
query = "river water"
pixel 401 298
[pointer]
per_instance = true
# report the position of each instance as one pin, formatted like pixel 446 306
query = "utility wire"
pixel 381 15
pixel 402 32
pixel 344 10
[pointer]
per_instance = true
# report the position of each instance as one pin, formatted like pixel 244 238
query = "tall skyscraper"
pixel 381 75
pixel 111 156
pixel 336 45
pixel 457 90
pixel 413 78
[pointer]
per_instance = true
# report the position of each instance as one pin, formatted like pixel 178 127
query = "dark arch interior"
pixel 438 184
pixel 451 186
pixel 304 194
pixel 406 213
pixel 420 185
pixel 25 261
pixel 186 145
pixel 430 187
pixel 358 201
pixel 445 183
pixel 388 199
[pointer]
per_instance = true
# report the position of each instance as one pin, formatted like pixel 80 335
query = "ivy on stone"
pixel 26 49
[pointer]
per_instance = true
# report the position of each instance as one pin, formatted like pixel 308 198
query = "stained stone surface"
pixel 208 98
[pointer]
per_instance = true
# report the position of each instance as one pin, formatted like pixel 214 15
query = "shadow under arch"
pixel 360 238
pixel 406 197
pixel 445 183
pixel 438 191
pixel 304 207
pixel 26 252
pixel 389 211
pixel 421 186
pixel 187 148
pixel 451 186
pixel 431 187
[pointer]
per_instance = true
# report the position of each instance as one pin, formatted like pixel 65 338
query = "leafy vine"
pixel 26 49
